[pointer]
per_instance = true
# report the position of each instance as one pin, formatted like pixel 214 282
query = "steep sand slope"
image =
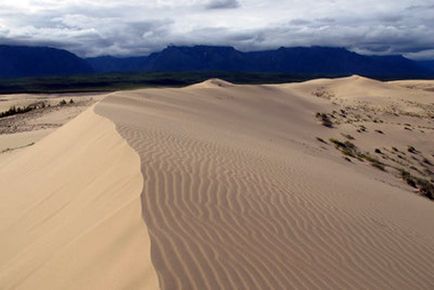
pixel 237 194
pixel 70 212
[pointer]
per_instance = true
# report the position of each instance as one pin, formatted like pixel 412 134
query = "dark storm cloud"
pixel 135 27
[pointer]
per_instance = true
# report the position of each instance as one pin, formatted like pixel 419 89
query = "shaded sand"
pixel 10 142
pixel 238 194
pixel 427 85
pixel 70 212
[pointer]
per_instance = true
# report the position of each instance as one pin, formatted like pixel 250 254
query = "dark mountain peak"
pixel 427 64
pixel 24 61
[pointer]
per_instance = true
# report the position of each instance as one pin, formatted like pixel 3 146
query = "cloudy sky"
pixel 133 27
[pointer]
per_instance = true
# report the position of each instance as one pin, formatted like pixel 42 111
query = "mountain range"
pixel 22 61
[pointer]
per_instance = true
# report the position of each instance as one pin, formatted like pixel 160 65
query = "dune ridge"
pixel 70 216
pixel 236 194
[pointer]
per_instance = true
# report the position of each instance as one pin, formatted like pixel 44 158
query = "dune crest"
pixel 213 83
pixel 70 216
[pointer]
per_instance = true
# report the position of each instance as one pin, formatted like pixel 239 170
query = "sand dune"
pixel 237 194
pixel 70 216
pixel 427 85
pixel 233 188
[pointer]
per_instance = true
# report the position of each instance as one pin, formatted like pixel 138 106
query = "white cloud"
pixel 134 27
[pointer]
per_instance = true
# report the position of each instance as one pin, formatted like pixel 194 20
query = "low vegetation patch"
pixel 425 187
pixel 14 111
pixel 349 149
pixel 362 129
pixel 412 150
pixel 348 136
pixel 325 120
pixel 321 140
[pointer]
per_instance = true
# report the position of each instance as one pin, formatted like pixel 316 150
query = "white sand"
pixel 239 195
pixel 70 216
pixel 236 193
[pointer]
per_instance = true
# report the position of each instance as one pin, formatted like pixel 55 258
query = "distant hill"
pixel 315 61
pixel 429 64
pixel 304 62
pixel 104 64
pixel 22 61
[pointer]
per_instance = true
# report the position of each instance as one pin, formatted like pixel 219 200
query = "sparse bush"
pixel 14 110
pixel 325 120
pixel 408 178
pixel 348 136
pixel 374 162
pixel 71 101
pixel 378 165
pixel 425 187
pixel 412 150
pixel 321 140
pixel 62 103
pixel 347 148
